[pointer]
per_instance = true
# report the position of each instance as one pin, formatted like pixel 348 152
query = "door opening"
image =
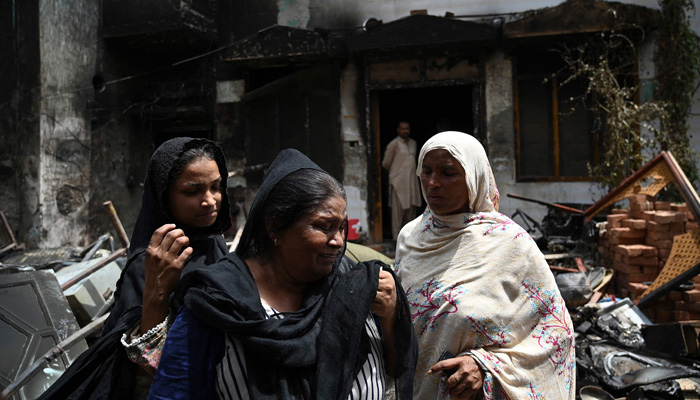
pixel 429 111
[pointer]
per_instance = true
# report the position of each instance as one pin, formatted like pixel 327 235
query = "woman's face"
pixel 308 247
pixel 444 183
pixel 195 196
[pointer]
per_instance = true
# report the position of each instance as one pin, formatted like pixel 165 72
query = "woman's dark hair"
pixel 297 195
pixel 207 150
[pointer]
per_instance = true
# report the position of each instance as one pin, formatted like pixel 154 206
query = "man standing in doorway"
pixel 404 192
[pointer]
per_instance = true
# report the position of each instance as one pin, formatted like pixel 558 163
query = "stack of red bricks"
pixel 636 244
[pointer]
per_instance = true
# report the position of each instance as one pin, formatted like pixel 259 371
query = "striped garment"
pixel 369 383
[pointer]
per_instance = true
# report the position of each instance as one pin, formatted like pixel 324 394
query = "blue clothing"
pixel 184 374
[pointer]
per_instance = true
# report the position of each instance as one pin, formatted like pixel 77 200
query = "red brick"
pixel 640 224
pixel 687 306
pixel 648 215
pixel 664 305
pixel 628 233
pixel 662 206
pixel 641 198
pixel 664 253
pixel 677 227
pixel 691 226
pixel 690 216
pixel 664 217
pixel 641 261
pixel 641 277
pixel 615 241
pixel 637 250
pixel 657 227
pixel 680 217
pixel 620 211
pixel 651 269
pixel 675 295
pixel 664 244
pixel 679 207
pixel 638 206
pixel 656 235
pixel 681 315
pixel 691 295
pixel 614 220
pixel 626 269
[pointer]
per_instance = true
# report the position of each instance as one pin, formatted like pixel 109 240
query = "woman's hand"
pixel 165 259
pixel 384 305
pixel 466 382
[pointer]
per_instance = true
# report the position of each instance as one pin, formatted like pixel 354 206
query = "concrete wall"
pixel 68 40
pixel 334 14
pixel 19 108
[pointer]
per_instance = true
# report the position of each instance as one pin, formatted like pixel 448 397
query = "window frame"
pixel 554 81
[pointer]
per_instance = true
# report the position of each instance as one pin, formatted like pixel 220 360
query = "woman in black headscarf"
pixel 287 316
pixel 184 212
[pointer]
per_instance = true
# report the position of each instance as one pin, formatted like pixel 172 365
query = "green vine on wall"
pixel 607 64
pixel 605 60
pixel 677 61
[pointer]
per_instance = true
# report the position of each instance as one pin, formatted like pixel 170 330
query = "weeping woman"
pixel 287 316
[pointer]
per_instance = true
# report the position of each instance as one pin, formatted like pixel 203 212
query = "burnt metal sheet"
pixel 675 339
pixel 425 30
pixel 581 16
pixel 34 317
pixel 282 45
pixel 41 258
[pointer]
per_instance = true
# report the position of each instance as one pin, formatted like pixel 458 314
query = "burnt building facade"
pixel 93 89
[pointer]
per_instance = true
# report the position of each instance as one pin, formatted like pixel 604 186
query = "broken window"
pixel 556 130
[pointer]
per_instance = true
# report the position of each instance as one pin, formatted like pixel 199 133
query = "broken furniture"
pixel 42 346
pixel 34 317
pixel 562 228
pixel 619 351
pixel 666 233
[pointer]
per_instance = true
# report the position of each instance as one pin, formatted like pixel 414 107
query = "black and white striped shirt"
pixel 369 384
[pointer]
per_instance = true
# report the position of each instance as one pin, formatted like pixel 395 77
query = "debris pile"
pixel 636 243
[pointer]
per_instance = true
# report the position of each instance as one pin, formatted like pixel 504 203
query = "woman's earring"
pixel 274 241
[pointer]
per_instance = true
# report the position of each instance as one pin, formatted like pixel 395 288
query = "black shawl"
pixel 103 371
pixel 316 351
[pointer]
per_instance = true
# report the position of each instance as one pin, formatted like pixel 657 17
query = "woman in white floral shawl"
pixel 480 288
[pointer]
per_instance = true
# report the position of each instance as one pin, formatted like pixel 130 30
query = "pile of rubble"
pixel 636 243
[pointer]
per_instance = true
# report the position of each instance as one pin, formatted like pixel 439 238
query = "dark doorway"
pixel 428 110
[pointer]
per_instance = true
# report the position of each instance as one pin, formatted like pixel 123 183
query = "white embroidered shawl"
pixel 478 284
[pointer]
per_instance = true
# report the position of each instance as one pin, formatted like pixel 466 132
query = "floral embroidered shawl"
pixel 477 284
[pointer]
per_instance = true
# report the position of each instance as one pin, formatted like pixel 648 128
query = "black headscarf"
pixel 103 371
pixel 314 352
pixel 207 243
